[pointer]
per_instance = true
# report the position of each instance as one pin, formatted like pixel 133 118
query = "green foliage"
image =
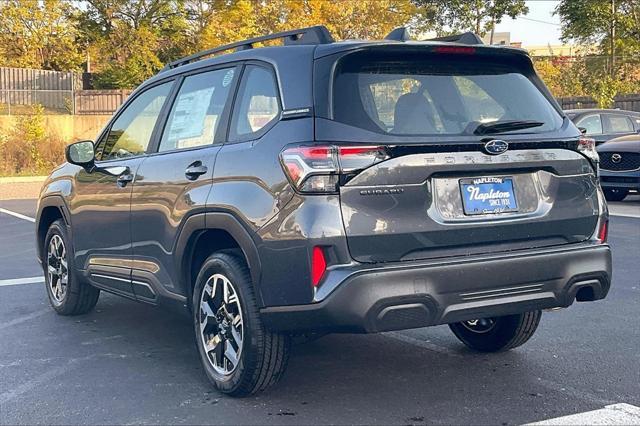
pixel 590 21
pixel 27 148
pixel 478 16
pixel 132 59
pixel 345 19
pixel 588 76
pixel 38 34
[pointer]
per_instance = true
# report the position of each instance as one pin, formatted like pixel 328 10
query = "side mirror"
pixel 583 130
pixel 81 154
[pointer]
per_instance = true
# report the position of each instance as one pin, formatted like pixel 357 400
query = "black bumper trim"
pixel 399 298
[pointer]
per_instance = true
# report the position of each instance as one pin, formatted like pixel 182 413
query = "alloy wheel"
pixel 57 269
pixel 221 326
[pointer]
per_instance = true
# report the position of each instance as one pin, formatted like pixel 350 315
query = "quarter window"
pixel 196 112
pixel 619 124
pixel 592 123
pixel 130 133
pixel 257 104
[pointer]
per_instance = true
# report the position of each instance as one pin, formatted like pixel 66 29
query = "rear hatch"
pixel 474 156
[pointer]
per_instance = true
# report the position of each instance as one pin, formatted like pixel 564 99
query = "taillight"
pixel 318 265
pixel 587 146
pixel 318 168
pixel 603 232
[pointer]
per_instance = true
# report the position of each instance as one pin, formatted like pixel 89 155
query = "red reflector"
pixel 318 266
pixel 603 233
pixel 455 49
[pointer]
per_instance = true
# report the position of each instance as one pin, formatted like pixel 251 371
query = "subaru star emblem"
pixel 616 158
pixel 496 146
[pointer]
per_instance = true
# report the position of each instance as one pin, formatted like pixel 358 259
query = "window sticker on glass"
pixel 228 78
pixel 191 109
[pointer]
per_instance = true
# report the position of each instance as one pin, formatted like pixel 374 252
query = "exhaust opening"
pixel 586 294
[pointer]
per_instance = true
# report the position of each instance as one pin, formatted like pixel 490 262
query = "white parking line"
pixel 635 216
pixel 18 215
pixel 20 281
pixel 615 414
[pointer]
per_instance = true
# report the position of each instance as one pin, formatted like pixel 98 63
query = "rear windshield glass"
pixel 414 94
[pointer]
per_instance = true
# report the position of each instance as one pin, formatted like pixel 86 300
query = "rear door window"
pixel 618 123
pixel 592 123
pixel 413 94
pixel 197 109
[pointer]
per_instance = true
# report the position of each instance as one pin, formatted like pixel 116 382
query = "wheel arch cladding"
pixel 222 232
pixel 50 211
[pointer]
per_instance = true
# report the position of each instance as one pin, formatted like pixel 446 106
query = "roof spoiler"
pixel 318 34
pixel 464 38
pixel 398 34
pixel 402 34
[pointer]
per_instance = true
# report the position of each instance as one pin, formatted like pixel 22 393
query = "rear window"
pixel 427 94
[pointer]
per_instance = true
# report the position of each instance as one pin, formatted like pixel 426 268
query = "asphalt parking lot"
pixel 132 363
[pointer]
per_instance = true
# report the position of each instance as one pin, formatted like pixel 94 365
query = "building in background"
pixel 563 50
pixel 499 38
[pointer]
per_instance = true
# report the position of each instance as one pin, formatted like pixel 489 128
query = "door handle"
pixel 124 178
pixel 195 169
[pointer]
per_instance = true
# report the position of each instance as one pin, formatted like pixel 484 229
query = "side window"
pixel 592 123
pixel 195 114
pixel 619 123
pixel 130 133
pixel 257 102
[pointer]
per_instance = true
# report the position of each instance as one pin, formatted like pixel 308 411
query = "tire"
pixel 67 293
pixel 306 337
pixel 497 334
pixel 233 326
pixel 613 194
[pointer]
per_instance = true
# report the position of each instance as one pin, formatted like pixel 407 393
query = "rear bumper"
pixel 620 180
pixel 393 297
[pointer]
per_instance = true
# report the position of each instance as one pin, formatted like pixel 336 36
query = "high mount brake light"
pixel 455 49
pixel 317 168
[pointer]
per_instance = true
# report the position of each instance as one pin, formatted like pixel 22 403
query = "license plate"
pixel 488 195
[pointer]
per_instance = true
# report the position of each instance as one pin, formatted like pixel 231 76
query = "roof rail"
pixel 398 34
pixel 318 34
pixel 464 38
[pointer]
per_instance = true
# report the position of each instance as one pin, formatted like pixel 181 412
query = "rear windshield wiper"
pixel 505 126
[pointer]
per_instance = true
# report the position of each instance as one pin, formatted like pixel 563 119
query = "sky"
pixel 529 30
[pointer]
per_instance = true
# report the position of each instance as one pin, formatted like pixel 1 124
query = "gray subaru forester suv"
pixel 321 186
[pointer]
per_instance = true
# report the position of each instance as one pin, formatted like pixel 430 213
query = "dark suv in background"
pixel 322 186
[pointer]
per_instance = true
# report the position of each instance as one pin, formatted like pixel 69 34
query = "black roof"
pixel 592 110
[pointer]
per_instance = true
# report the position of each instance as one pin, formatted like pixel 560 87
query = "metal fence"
pixel 57 92
pixel 82 102
pixel 93 102
pixel 627 102
pixel 18 101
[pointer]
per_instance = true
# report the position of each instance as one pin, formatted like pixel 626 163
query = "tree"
pixel 613 24
pixel 239 19
pixel 38 34
pixel 130 40
pixel 478 16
